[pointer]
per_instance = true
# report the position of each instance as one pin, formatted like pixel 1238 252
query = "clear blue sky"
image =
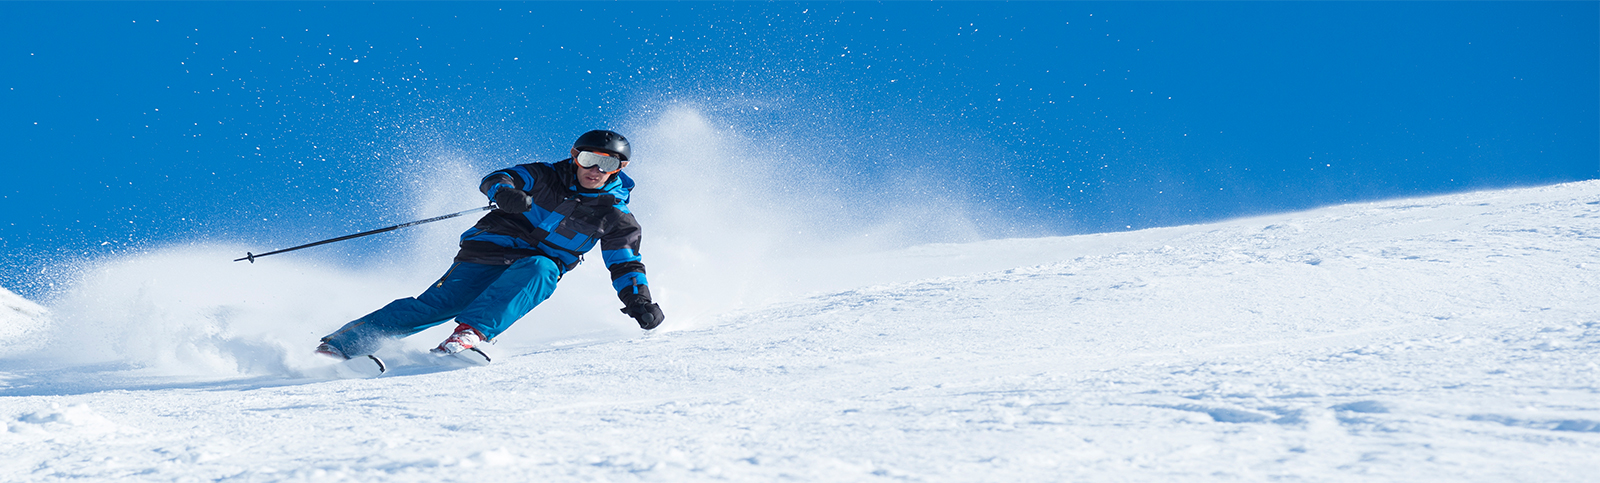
pixel 131 125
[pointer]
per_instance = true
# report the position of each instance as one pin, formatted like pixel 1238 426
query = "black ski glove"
pixel 647 315
pixel 512 200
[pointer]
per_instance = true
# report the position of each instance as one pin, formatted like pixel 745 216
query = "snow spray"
pixel 731 220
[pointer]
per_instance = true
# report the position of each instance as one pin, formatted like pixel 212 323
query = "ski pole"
pixel 252 257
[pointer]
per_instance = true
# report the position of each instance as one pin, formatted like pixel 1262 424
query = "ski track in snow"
pixel 1451 338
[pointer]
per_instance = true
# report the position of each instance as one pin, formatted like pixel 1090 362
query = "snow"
pixel 1450 338
pixel 18 316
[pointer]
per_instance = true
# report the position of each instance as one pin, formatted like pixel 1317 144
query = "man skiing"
pixel 547 216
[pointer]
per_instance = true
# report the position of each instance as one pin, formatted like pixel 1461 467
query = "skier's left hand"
pixel 648 316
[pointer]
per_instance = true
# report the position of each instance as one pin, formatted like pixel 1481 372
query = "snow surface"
pixel 19 316
pixel 1450 338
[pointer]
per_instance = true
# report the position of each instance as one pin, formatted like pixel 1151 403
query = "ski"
pixel 471 355
pixel 361 367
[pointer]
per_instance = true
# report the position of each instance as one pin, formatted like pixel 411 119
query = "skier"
pixel 547 216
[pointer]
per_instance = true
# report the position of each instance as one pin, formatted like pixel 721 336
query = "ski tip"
pixel 360 367
pixel 382 368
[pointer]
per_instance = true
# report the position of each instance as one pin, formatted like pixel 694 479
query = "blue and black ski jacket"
pixel 565 221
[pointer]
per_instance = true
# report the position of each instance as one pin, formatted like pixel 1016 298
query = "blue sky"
pixel 133 125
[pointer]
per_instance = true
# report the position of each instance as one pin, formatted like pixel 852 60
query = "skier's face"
pixel 592 177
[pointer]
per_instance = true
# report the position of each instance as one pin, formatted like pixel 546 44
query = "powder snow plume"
pixel 730 220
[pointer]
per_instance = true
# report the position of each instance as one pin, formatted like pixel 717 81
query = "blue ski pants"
pixel 487 297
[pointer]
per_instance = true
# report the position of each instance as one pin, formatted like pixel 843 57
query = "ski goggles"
pixel 606 162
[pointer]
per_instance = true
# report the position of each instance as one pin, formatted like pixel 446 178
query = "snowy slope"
pixel 1441 339
pixel 18 317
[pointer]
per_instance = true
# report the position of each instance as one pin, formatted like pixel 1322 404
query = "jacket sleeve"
pixel 620 250
pixel 519 177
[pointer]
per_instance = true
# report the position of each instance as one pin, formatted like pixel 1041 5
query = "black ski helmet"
pixel 602 140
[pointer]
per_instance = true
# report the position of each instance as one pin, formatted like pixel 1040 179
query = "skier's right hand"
pixel 512 200
pixel 648 316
